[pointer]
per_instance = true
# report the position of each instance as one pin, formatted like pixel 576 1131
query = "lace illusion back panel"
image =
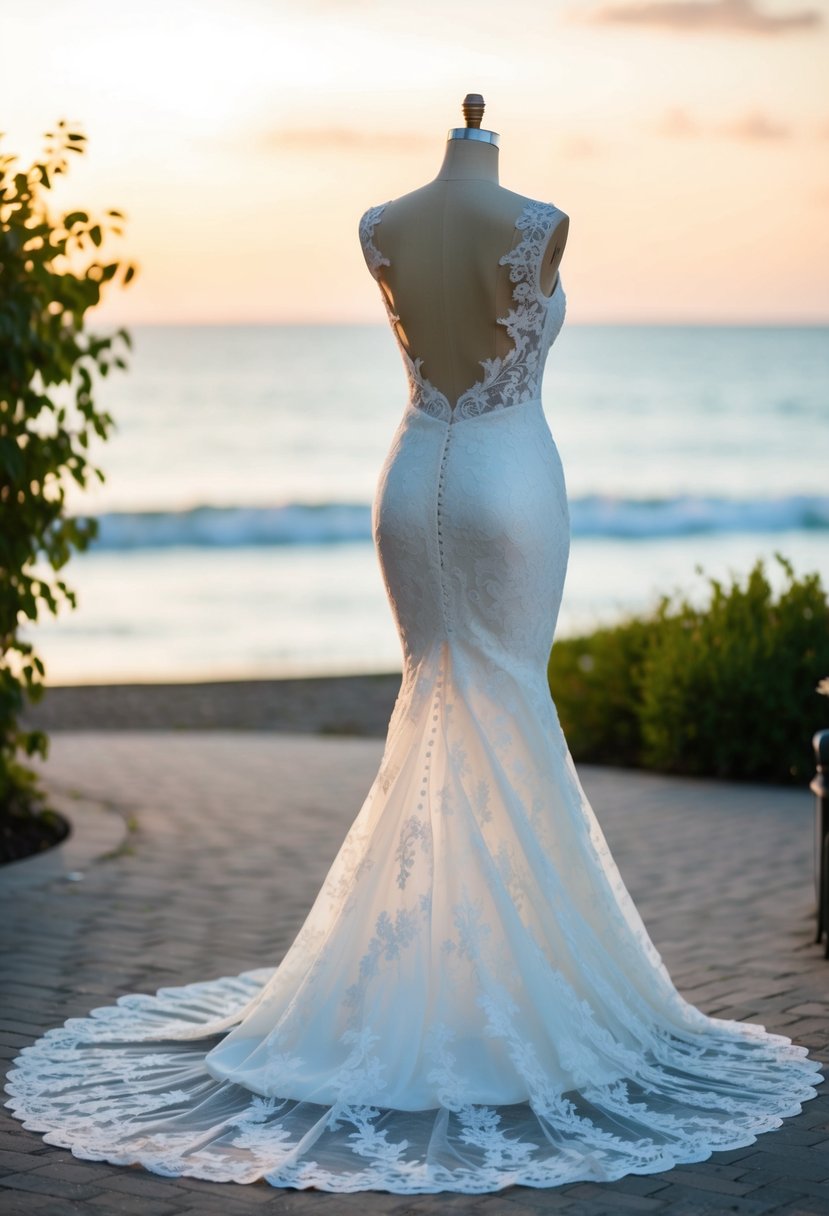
pixel 473 999
pixel 532 324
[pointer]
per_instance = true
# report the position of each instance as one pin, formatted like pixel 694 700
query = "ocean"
pixel 235 518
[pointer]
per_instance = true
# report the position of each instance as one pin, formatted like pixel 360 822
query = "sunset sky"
pixel 688 141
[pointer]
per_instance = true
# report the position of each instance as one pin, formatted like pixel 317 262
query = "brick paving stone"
pixel 18 1204
pixel 141 1183
pixel 130 1205
pixel 212 1208
pixel 640 1184
pixel 34 1181
pixel 707 1181
pixel 75 1171
pixel 16 1139
pixel 521 1200
pixel 623 1202
pixel 760 1175
pixel 593 1207
pixel 809 1207
pixel 795 1184
pixel 550 1201
pixel 780 1203
pixel 813 1166
pixel 479 1205
pixel 696 1204
pixel 812 1139
pixel 215 1208
pixel 798 1207
pixel 721 873
pixel 245 1198
pixel 14 1162
pixel 733 1156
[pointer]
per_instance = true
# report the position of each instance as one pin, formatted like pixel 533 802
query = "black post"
pixel 820 786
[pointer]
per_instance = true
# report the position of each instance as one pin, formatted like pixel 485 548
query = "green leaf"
pixel 45 350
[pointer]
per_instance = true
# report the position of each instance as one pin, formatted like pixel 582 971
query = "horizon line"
pixel 783 323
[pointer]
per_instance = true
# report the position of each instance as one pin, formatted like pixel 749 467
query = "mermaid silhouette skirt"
pixel 473 1000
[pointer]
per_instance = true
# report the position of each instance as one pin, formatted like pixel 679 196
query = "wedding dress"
pixel 473 1000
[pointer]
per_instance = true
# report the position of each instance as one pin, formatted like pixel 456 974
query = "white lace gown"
pixel 473 1000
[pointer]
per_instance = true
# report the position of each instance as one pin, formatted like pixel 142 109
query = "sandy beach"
pixel 326 705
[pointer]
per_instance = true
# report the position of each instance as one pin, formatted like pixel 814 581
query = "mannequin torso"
pixel 444 282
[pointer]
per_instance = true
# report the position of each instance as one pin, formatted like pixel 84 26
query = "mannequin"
pixel 444 241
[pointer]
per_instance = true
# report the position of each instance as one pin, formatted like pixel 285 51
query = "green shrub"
pixel 595 681
pixel 729 690
pixel 725 690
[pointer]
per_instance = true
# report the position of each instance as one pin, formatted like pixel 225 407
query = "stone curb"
pixel 95 830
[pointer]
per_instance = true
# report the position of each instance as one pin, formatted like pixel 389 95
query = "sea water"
pixel 235 518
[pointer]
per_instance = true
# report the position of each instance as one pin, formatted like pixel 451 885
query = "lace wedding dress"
pixel 473 1000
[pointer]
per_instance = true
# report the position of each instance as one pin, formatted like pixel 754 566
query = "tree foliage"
pixel 52 272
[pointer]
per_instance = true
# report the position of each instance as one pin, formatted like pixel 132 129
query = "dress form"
pixel 473 1000
pixel 444 241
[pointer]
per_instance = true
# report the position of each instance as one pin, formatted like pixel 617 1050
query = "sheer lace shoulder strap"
pixel 536 222
pixel 368 220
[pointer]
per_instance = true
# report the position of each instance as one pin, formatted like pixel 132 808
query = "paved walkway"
pixel 229 835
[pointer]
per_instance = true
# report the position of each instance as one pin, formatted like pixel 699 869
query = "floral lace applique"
pixel 532 323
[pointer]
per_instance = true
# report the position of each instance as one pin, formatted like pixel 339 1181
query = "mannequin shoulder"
pixel 559 225
pixel 558 218
pixel 554 250
pixel 369 218
pixel 366 225
pixel 518 206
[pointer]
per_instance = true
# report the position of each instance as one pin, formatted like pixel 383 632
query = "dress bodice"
pixel 533 322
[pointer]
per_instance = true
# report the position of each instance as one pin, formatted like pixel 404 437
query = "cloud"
pixel 751 127
pixel 579 147
pixel 345 139
pixel 678 122
pixel 756 126
pixel 708 16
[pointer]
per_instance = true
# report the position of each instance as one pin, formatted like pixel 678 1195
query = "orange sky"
pixel 688 140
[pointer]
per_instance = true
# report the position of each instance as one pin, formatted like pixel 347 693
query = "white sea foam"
pixel 324 523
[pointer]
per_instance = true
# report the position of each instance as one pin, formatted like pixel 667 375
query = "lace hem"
pixel 96 1088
